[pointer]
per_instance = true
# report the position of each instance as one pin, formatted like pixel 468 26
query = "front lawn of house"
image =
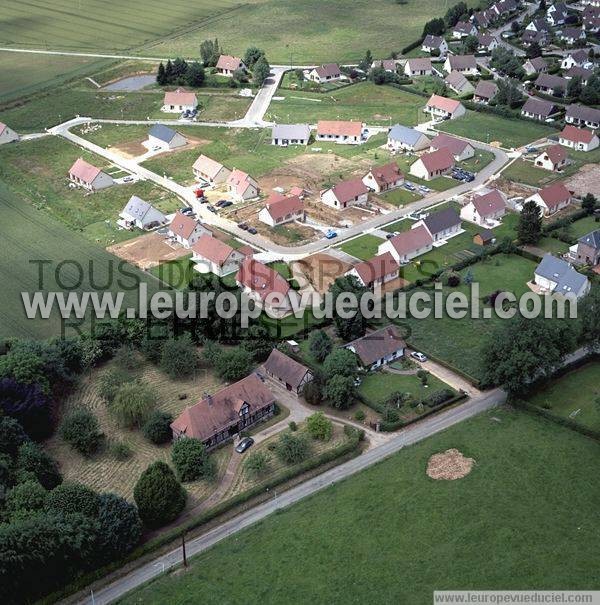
pixel 363 247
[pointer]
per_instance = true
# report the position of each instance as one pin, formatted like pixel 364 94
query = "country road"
pixel 409 436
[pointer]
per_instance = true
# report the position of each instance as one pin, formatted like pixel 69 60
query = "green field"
pixel 378 386
pixel 30 234
pixel 573 395
pixel 488 128
pixel 524 518
pixel 363 247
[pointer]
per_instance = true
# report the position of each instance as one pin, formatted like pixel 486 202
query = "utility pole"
pixel 185 564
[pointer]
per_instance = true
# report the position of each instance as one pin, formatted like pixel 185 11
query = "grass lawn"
pixel 553 245
pixel 376 105
pixel 488 127
pixel 363 247
pixel 38 169
pixel 584 226
pixel 400 196
pixel 282 268
pixel 288 326
pixel 177 273
pixel 480 160
pixel 528 506
pixel 378 386
pixel 573 395
pixel 521 171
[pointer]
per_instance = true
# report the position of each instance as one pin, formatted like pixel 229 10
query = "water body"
pixel 131 84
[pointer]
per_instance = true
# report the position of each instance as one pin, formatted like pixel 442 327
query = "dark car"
pixel 252 230
pixel 243 226
pixel 226 204
pixel 211 208
pixel 220 203
pixel 244 444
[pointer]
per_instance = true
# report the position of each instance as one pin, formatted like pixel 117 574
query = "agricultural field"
pixel 38 170
pixel 488 128
pixel 527 513
pixel 30 234
pixel 573 395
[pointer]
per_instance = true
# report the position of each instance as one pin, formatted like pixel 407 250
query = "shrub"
pixel 191 460
pixel 12 436
pixel 313 393
pixel 33 459
pixel 70 497
pixel 160 498
pixel 179 357
pixel 27 404
pixel 319 345
pixel 81 431
pixel 319 427
pixel 24 499
pixel 120 526
pixel 293 426
pixel 438 398
pixel 234 364
pixel 257 463
pixel 151 349
pixel 353 433
pixel 158 427
pixel 110 382
pixel 133 403
pixel 119 450
pixel 125 357
pixel 292 448
pixel 359 415
pixel 390 415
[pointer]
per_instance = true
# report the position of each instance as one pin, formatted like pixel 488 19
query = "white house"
pixel 485 91
pixel 83 174
pixel 572 35
pixel 441 225
pixel 460 149
pixel 324 73
pixel 161 137
pixel 407 245
pixel 551 199
pixel 378 348
pixel 575 58
pixel 345 194
pixel 464 64
pixel 387 64
pixel 485 210
pixel 553 158
pixel 228 65
pixel 555 276
pixel 579 139
pixel 290 134
pixel 141 214
pixel 384 178
pixel 186 230
pixel 580 115
pixel 179 101
pixel 210 171
pixel 376 272
pixel 463 29
pixel 442 107
pixel 7 135
pixel 537 109
pixel 435 43
pixel 487 43
pixel 418 66
pixel 340 131
pixel 241 186
pixel 432 164
pixel 402 138
pixel 211 255
pixel 279 210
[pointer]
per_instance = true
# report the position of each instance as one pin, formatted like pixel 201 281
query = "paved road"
pixel 409 436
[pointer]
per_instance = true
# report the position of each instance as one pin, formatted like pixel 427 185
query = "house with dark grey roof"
pixel 402 138
pixel 580 115
pixel 287 371
pixel 464 64
pixel 537 65
pixel 587 249
pixel 463 29
pixel 328 72
pixel 551 84
pixel 418 66
pixel 290 134
pixel 141 214
pixel 458 83
pixel 163 138
pixel 556 276
pixel 378 348
pixel 435 43
pixel 485 91
pixel 441 225
pixel 537 109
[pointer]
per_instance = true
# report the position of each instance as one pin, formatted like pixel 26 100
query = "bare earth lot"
pixel 147 250
pixel 587 180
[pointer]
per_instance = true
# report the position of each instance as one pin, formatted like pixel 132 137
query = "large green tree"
pixel 319 345
pixel 179 357
pixel 261 71
pixel 133 403
pixel 348 328
pixel 191 460
pixel 529 229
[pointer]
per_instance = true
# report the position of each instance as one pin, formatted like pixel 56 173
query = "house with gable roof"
pixel 555 276
pixel 402 138
pixel 178 101
pixel 378 348
pixel 587 249
pixel 186 230
pixel 241 186
pixel 280 209
pixel 164 138
pixel 84 174
pixel 435 43
pixel 441 225
pixel 445 108
pixel 433 164
pixel 579 139
pixel 485 210
pixel 345 194
pixel 460 149
pixel 287 371
pixel 407 245
pixel 552 198
pixel 211 255
pixel 210 171
pixel 340 131
pixel 141 214
pixel 377 271
pixel 553 158
pixel 329 72
pixel 384 178
pixel 228 65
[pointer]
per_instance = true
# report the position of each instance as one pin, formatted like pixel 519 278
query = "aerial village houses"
pixel 287 371
pixel 464 64
pixel 579 139
pixel 575 58
pixel 487 43
pixel 164 138
pixel 267 288
pixel 211 255
pixel 290 134
pixel 384 178
pixel 458 83
pixel 460 149
pixel 580 115
pixel 463 29
pixel 89 177
pixel 407 245
pixel 179 101
pixel 552 198
pixel 324 73
pixel 551 84
pixel 348 133
pixel 210 171
pixel 537 109
pixel 579 72
pixel 441 225
pixel 376 272
pixel 419 66
pixel 345 194
pixel 402 138
pixel 7 135
pixel 553 157
pixel 556 14
pixel 241 186
pixel 485 91
pixel 435 44
pixel 433 164
pixel 141 214
pixel 219 417
pixel 442 107
pixel 530 36
pixel 572 35
pixel 186 230
pixel 537 65
pixel 386 64
pixel 280 209
pixel 485 210
pixel 228 65
pixel 587 249
pixel 378 348
pixel 555 276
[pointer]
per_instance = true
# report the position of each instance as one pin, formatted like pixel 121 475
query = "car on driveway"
pixel 220 203
pixel 419 356
pixel 244 444
pixel 226 204
pixel 211 208
pixel 409 186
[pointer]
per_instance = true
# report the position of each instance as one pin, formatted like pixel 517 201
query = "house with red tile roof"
pixel 442 107
pixel 384 178
pixel 433 164
pixel 187 230
pixel 287 371
pixel 329 72
pixel 346 194
pixel 340 131
pixel 219 417
pixel 280 209
pixel 460 149
pixel 227 65
pixel 211 255
pixel 485 210
pixel 553 158
pixel 268 288
pixel 377 271
pixel 7 135
pixel 407 245
pixel 241 186
pixel 579 139
pixel 89 177
pixel 209 170
pixel 179 100
pixel 551 199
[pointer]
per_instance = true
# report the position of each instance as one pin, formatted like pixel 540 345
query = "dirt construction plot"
pixel 322 270
pixel 133 149
pixel 449 465
pixel 586 180
pixel 511 189
pixel 147 250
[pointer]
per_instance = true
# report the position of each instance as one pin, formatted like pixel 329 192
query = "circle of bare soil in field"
pixel 449 465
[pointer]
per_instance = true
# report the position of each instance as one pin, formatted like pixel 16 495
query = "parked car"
pixel 244 444
pixel 243 226
pixel 211 208
pixel 128 179
pixel 187 210
pixel 252 230
pixel 418 356
pixel 330 234
pixel 220 203
pixel 410 187
pixel 389 235
pixel 226 204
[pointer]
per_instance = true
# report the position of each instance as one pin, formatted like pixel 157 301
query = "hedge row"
pixel 412 46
